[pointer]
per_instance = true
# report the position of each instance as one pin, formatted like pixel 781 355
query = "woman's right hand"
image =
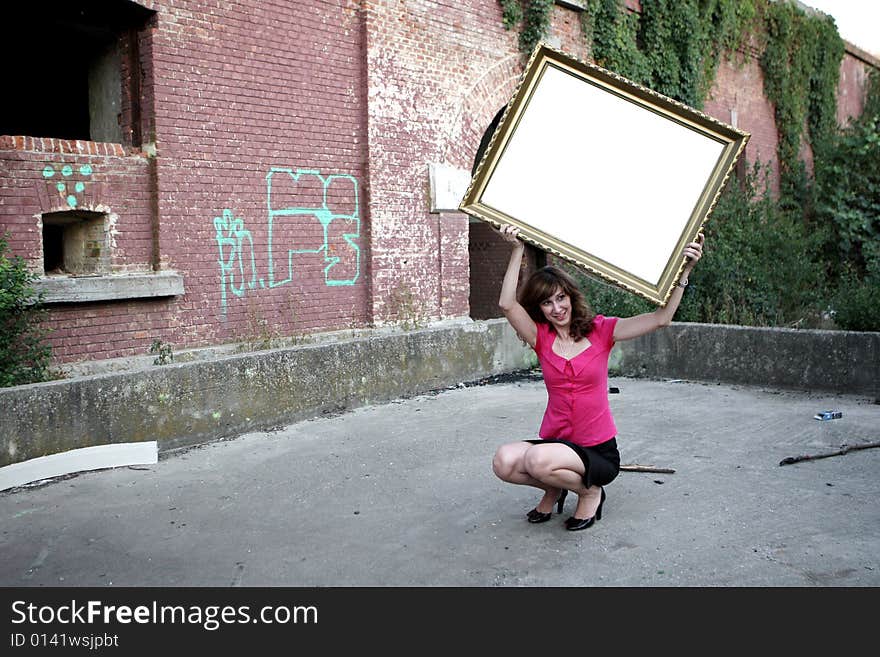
pixel 510 234
pixel 516 315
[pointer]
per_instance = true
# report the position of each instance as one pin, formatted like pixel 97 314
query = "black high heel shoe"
pixel 535 516
pixel 574 524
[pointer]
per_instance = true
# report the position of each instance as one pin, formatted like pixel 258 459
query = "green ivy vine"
pixel 683 41
pixel 673 46
pixel 801 66
pixel 534 15
pixel 612 31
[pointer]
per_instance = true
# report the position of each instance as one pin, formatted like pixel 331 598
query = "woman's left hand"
pixel 694 251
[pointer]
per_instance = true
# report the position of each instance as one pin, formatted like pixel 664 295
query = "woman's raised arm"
pixel 633 327
pixel 516 315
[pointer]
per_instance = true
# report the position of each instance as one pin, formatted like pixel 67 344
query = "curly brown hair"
pixel 543 284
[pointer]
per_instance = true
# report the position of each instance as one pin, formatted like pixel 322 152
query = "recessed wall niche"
pixel 75 243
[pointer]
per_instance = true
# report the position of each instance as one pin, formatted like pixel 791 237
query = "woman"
pixel 578 449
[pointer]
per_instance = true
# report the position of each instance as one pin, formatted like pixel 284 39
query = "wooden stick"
pixel 812 457
pixel 635 467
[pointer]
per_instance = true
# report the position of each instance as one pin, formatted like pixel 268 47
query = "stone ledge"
pixel 65 146
pixel 82 289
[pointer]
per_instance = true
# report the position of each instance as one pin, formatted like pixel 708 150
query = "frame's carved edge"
pixel 587 267
pixel 575 261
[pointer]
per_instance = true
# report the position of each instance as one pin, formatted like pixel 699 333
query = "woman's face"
pixel 557 308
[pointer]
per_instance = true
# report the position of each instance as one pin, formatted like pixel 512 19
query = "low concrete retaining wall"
pixel 188 403
pixel 831 361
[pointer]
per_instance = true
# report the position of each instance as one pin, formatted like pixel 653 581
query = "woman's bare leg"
pixel 509 465
pixel 557 466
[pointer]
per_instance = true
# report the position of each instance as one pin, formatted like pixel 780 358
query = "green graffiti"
pixel 331 201
pixel 337 209
pixel 79 186
pixel 231 237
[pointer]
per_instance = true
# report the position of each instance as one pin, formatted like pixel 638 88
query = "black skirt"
pixel 601 462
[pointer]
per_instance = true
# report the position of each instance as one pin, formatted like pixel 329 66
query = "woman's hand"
pixel 693 252
pixel 510 234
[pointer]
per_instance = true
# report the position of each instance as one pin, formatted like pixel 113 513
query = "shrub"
pixel 24 355
pixel 762 265
pixel 857 303
pixel 847 202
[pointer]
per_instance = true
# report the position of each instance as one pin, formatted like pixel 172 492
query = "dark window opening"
pixel 53 249
pixel 75 243
pixel 66 64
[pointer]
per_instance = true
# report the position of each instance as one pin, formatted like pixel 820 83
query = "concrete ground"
pixel 402 494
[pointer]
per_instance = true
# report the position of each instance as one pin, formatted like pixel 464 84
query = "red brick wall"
pixel 116 184
pixel 436 69
pixel 739 88
pixel 438 73
pixel 854 72
pixel 489 255
pixel 290 184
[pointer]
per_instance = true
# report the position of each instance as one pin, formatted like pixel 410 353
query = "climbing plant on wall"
pixel 801 66
pixel 672 46
pixel 25 355
pixel 612 32
pixel 533 15
pixel 847 193
pixel 683 41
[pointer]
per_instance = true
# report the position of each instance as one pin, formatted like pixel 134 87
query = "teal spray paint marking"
pixel 79 186
pixel 231 237
pixel 233 240
pixel 326 216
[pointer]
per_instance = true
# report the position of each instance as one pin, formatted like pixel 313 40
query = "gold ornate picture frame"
pixel 603 172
